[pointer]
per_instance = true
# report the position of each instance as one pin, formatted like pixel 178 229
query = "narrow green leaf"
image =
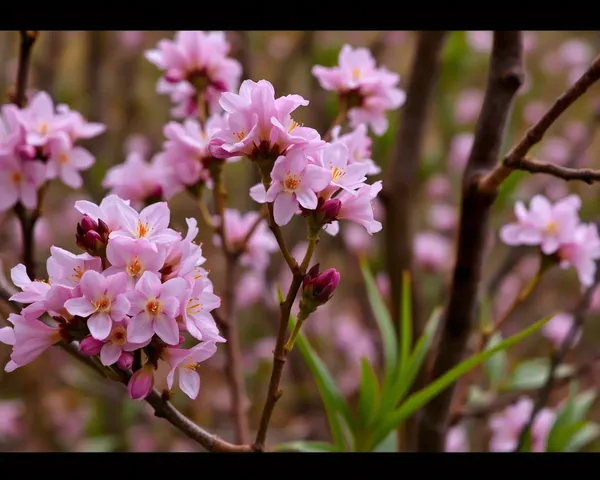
pixel 582 404
pixel 384 321
pixel 335 406
pixel 561 436
pixel 419 399
pixel 527 442
pixel 496 367
pixel 305 446
pixel 368 402
pixel 389 444
pixel 533 373
pixel 581 439
pixel 405 378
pixel 405 330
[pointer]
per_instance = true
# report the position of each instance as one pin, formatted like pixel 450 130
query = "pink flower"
pixel 135 179
pixel 31 339
pixel 152 223
pixel 581 252
pixel 432 251
pixel 438 187
pixel 137 143
pixel 131 38
pixel 460 148
pixel 40 120
pixel 260 244
pixel 357 75
pixel 185 362
pixel 250 289
pixel 468 106
pixel 103 301
pixel 359 147
pixel 155 307
pixel 196 305
pixel 108 210
pixel 558 328
pixel 507 426
pixel 33 291
pixel 66 269
pixel 357 207
pixel 443 217
pixel 345 175
pixel 295 183
pixel 196 60
pixel 114 347
pixel 141 382
pixel 575 53
pixel 65 162
pixel 555 150
pixel 134 257
pixel 257 123
pixel 19 181
pixel 457 439
pixel 544 224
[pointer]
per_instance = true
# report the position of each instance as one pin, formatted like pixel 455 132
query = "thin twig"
pixel 28 38
pixel 531 165
pixel 492 181
pixel 505 77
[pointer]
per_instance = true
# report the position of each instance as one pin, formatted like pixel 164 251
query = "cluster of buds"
pixel 92 236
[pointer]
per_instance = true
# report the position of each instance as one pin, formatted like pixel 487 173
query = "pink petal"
pixel 92 284
pixel 316 178
pixel 203 351
pixel 70 177
pixel 167 329
pixel 7 335
pixel 189 382
pixel 81 158
pixel 116 284
pixel 19 276
pixel 284 208
pixel 139 329
pixel 149 284
pixel 307 198
pixel 100 325
pixel 79 306
pixel 258 193
pixel 120 307
pixel 110 353
pixel 173 288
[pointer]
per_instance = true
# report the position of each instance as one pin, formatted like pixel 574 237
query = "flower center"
pixel 291 182
pixel 153 307
pixel 118 336
pixel 552 227
pixel 43 128
pixel 134 268
pixel 338 173
pixel 16 177
pixel 292 126
pixel 194 306
pixel 240 135
pixel 143 228
pixel 64 158
pixel 102 305
pixel 356 73
pixel 78 273
pixel 190 365
pixel 198 273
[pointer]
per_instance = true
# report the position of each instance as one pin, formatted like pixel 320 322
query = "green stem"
pixel 302 316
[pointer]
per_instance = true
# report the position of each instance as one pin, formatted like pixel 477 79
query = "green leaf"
pixel 527 442
pixel 496 367
pixel 406 319
pixel 405 378
pixel 582 404
pixel 582 438
pixel 419 399
pixel 560 437
pixel 570 420
pixel 305 446
pixel 508 189
pixel 368 402
pixel 337 410
pixel 389 444
pixel 384 321
pixel 533 374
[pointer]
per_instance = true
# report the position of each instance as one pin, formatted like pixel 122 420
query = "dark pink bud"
pixel 325 284
pixel 87 224
pixel 103 229
pixel 91 239
pixel 141 383
pixel 90 346
pixel 125 361
pixel 311 275
pixel 27 152
pixel 174 75
pixel 331 209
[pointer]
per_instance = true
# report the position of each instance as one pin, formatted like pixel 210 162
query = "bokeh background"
pixel 54 404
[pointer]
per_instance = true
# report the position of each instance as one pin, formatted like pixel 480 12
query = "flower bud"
pixel 87 224
pixel 103 230
pixel 125 361
pixel 141 383
pixel 92 236
pixel 318 288
pixel 27 152
pixel 90 346
pixel 331 209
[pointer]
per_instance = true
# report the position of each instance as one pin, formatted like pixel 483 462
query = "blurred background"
pixel 54 404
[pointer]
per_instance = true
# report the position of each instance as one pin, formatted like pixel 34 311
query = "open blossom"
pixel 66 268
pixel 114 348
pixel 196 305
pixel 259 245
pixel 260 124
pixel 195 65
pixel 65 161
pixel 19 181
pixel 507 426
pixel 152 223
pixel 184 363
pixel 357 78
pixel 359 147
pixel 32 291
pixel 136 179
pixel 544 224
pixel 358 207
pixel 295 182
pixel 432 251
pixel 108 211
pixel 103 301
pixel 581 252
pixel 558 327
pixel 345 175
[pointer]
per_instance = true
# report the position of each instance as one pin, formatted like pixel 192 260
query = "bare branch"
pixel 531 165
pixel 505 77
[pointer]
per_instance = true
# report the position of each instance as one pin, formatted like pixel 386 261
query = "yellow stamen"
pixel 293 126
pixel 240 135
pixel 356 73
pixel 134 268
pixel 552 227
pixel 78 274
pixel 43 128
pixel 118 336
pixel 191 365
pixel 153 307
pixel 194 308
pixel 64 158
pixel 291 182
pixel 142 229
pixel 102 305
pixel 16 177
pixel 338 173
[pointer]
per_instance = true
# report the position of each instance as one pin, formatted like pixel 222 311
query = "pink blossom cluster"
pixel 368 90
pixel 196 70
pixel 557 230
pixel 507 426
pixel 138 286
pixel 37 144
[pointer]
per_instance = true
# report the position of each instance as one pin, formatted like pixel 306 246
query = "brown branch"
pixel 28 38
pixel 559 355
pixel 505 78
pixel 403 180
pixel 531 165
pixel 492 181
